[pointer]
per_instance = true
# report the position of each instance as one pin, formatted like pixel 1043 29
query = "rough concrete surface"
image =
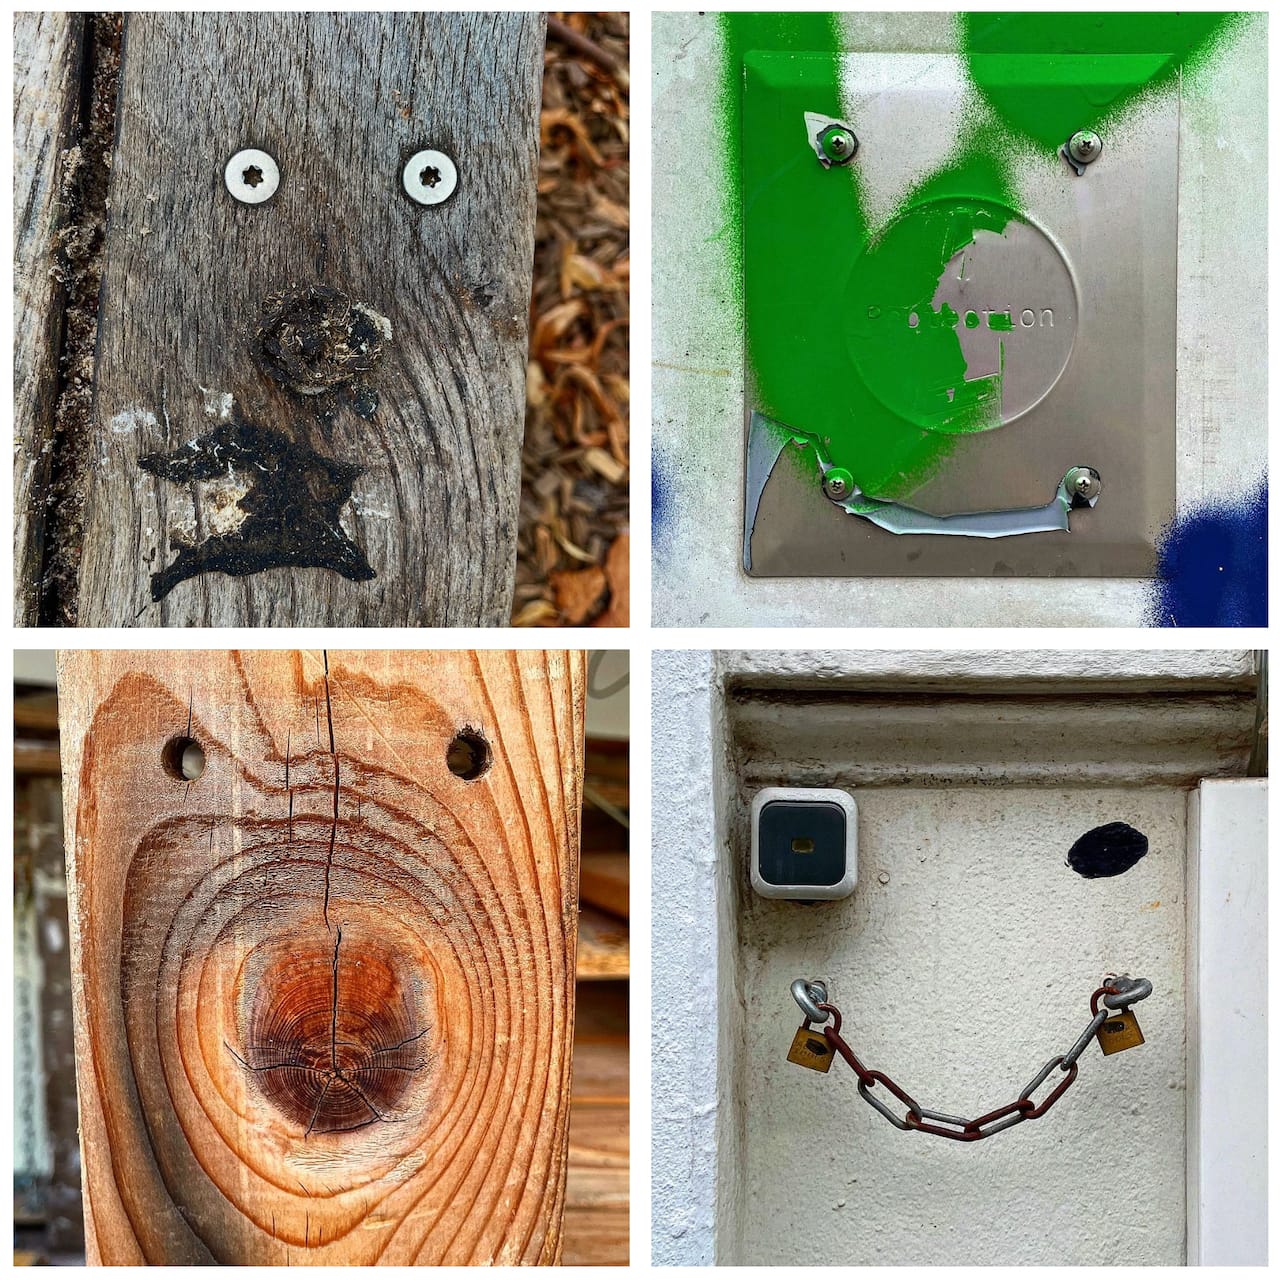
pixel 963 961
pixel 686 902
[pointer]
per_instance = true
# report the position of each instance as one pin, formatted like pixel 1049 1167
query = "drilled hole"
pixel 252 176
pixel 802 844
pixel 430 176
pixel 469 755
pixel 183 758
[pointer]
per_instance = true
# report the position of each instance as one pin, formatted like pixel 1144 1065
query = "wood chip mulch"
pixel 574 509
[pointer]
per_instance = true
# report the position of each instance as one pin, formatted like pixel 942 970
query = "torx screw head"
pixel 430 177
pixel 252 176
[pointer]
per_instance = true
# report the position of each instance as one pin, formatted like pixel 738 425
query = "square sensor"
pixel 804 843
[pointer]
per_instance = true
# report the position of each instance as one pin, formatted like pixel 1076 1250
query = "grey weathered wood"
pixel 340 100
pixel 46 68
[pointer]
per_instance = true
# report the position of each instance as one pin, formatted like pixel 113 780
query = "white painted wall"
pixel 963 961
pixel 687 900
pixel 698 354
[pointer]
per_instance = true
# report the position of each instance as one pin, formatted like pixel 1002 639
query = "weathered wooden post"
pixel 323 913
pixel 304 409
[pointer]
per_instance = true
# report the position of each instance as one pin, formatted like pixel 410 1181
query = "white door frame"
pixel 1227 1023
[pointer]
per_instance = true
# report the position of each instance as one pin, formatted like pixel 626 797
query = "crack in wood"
pixel 78 252
pixel 337 783
pixel 338 1080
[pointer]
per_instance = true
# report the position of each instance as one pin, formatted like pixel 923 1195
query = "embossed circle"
pixel 962 315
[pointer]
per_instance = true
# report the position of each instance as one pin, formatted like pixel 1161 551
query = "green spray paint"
pixel 844 341
pixel 822 296
pixel 1048 74
pixel 740 33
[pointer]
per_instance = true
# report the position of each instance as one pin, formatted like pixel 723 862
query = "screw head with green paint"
pixel 1084 146
pixel 837 144
pixel 837 484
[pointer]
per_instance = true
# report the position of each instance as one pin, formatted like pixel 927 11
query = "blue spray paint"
pixel 1212 567
pixel 662 496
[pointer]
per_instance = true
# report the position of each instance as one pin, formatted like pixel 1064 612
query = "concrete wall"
pixel 698 356
pixel 963 961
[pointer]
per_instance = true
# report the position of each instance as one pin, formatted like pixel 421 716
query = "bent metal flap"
pixel 959 284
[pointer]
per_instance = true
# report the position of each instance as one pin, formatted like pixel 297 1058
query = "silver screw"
pixel 1084 146
pixel 430 177
pixel 1084 483
pixel 836 488
pixel 252 176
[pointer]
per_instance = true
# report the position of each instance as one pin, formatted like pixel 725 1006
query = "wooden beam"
pixel 37 713
pixel 309 411
pixel 38 802
pixel 604 945
pixel 36 758
pixel 324 991
pixel 606 882
pixel 598 1197
pixel 46 74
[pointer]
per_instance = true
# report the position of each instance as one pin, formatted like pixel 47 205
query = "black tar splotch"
pixel 292 504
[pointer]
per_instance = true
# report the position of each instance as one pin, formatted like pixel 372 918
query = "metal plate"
pixel 1084 277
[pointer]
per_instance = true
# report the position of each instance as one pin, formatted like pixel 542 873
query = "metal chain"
pixel 1117 993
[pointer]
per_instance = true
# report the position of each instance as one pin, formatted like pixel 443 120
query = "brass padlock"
pixel 1120 1032
pixel 810 1049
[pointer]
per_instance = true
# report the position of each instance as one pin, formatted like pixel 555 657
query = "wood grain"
pixel 604 945
pixel 46 70
pixel 597 1211
pixel 340 101
pixel 324 991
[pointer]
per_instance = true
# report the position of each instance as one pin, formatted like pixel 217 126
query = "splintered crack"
pixel 333 1025
pixel 288 786
pixel 319 1103
pixel 337 784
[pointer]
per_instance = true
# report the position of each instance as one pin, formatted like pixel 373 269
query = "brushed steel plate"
pixel 1089 364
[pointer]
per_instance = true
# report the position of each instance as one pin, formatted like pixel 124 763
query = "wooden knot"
pixel 332 1041
pixel 314 338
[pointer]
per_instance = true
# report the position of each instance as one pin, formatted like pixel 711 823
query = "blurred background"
pixel 574 544
pixel 47 1212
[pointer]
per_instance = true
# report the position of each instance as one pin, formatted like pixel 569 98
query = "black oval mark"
pixel 1107 851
